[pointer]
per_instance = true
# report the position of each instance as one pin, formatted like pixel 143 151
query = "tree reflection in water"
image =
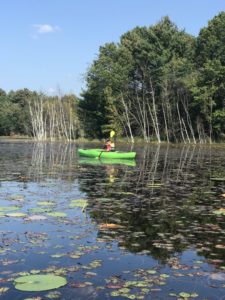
pixel 160 207
pixel 166 203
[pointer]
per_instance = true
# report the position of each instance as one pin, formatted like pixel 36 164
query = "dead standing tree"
pixel 53 118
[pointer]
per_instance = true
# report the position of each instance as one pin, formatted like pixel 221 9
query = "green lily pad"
pixel 36 283
pixel 184 295
pixel 79 203
pixel 9 208
pixel 39 209
pixel 194 295
pixel 16 214
pixel 17 197
pixel 57 214
pixel 53 295
pixel 46 203
pixel 151 271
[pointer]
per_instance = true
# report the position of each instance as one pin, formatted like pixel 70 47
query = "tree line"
pixel 37 115
pixel 157 83
pixel 160 83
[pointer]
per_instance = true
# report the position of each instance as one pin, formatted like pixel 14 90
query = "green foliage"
pixel 20 115
pixel 6 115
pixel 209 89
pixel 184 74
pixel 144 59
pixel 15 115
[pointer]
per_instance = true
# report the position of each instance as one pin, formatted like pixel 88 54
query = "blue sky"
pixel 48 45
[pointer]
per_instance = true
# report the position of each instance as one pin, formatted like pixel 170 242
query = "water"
pixel 152 228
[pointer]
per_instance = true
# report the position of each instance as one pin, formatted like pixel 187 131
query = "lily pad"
pixel 35 283
pixel 57 214
pixel 39 209
pixel 3 289
pixel 16 214
pixel 17 197
pixel 46 203
pixel 184 295
pixel 36 218
pixel 9 208
pixel 79 203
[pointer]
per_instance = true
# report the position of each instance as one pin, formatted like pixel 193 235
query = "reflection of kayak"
pixel 99 153
pixel 107 161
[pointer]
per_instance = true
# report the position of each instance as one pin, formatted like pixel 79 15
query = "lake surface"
pixel 153 228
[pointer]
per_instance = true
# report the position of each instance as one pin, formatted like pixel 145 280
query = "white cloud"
pixel 51 91
pixel 45 28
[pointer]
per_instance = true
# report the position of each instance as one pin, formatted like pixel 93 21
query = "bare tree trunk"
pixel 181 127
pixel 155 113
pixel 189 121
pixel 127 118
pixel 185 129
pixel 165 121
pixel 37 118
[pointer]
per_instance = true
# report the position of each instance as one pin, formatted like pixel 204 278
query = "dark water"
pixel 167 234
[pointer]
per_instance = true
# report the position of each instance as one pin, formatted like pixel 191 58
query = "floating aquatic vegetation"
pixel 39 209
pixel 35 218
pixel 90 274
pixel 82 203
pixel 35 283
pixel 53 295
pixel 168 219
pixel 80 284
pixel 17 197
pixel 36 238
pixel 57 214
pixel 94 264
pixel 46 203
pixel 3 289
pixel 8 208
pixel 16 215
pixel 185 295
pixel 58 255
pixel 136 289
pixel 76 254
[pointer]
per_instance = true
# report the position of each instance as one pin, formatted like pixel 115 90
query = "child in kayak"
pixel 109 145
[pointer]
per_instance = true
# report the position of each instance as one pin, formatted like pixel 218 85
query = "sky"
pixel 48 45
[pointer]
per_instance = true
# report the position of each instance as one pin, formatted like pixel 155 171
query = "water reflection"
pixel 106 224
pixel 165 204
pixel 53 161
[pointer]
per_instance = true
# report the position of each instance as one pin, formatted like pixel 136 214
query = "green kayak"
pixel 106 154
